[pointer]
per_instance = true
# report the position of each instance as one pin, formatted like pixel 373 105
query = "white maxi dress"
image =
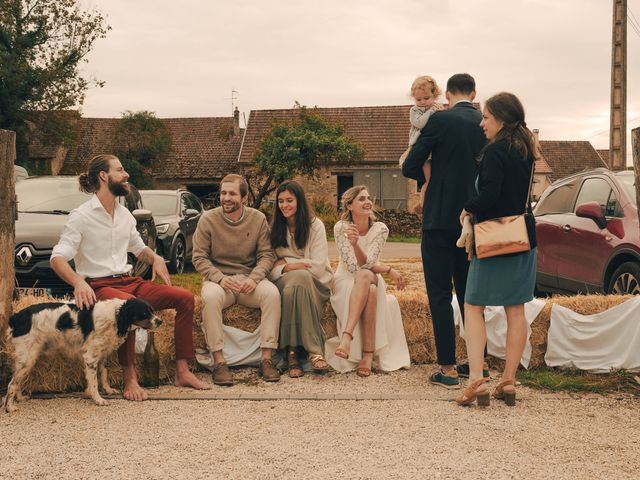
pixel 391 351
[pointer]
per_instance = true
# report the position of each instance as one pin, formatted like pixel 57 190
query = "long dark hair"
pixel 90 180
pixel 509 110
pixel 303 218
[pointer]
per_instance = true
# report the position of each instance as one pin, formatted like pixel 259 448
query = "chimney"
pixel 236 122
pixel 536 134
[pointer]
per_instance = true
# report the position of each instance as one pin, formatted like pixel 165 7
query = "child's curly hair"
pixel 425 82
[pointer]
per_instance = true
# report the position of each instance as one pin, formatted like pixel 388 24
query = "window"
pixel 598 190
pixel 558 200
pixel 193 202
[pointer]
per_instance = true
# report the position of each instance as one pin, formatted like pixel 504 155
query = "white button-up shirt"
pixel 98 243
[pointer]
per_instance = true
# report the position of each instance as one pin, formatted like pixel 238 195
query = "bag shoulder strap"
pixel 526 200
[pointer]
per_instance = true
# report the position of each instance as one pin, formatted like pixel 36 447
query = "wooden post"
pixel 618 121
pixel 635 148
pixel 8 214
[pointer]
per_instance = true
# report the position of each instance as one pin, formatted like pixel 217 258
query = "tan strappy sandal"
pixel 318 363
pixel 471 394
pixel 365 371
pixel 508 397
pixel 341 352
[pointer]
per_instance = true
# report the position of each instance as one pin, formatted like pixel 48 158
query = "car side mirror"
pixel 593 211
pixel 142 214
pixel 191 212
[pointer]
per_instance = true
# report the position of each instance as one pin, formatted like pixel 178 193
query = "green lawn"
pixel 396 239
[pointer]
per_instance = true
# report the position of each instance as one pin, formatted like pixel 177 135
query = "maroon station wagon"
pixel 588 237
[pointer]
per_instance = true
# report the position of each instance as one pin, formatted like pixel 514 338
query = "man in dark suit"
pixel 454 139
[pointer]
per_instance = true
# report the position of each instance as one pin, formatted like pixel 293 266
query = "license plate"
pixel 36 292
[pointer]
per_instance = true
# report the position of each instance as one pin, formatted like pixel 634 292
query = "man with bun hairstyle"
pixel 97 237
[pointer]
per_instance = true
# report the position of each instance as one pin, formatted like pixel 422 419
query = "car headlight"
pixel 162 228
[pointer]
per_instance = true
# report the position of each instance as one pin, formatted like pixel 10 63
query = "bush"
pixel 401 223
pixel 327 213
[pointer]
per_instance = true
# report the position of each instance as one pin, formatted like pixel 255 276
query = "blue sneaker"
pixel 449 380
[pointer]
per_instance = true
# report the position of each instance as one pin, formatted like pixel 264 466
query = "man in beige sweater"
pixel 232 251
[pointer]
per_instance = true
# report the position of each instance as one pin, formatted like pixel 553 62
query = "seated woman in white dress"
pixel 359 296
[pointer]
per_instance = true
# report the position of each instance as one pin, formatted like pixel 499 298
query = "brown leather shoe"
pixel 268 371
pixel 222 375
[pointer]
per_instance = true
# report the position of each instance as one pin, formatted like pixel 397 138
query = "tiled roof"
pixel 542 166
pixel 570 156
pixel 604 154
pixel 383 131
pixel 202 148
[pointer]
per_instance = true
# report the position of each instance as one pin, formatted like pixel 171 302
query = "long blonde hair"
pixel 347 199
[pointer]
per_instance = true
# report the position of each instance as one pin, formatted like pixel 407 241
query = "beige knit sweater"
pixel 223 248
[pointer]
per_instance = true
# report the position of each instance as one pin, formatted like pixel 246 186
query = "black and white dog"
pixel 93 334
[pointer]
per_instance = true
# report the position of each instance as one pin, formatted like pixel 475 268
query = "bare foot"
pixel 345 345
pixel 364 367
pixel 367 361
pixel 133 391
pixel 188 379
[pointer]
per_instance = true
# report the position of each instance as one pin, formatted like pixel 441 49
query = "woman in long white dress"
pixel 360 298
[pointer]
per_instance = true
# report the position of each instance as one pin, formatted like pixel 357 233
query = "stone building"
pixel 382 132
pixel 204 149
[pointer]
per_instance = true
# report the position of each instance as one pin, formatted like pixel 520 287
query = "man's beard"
pixel 118 188
pixel 231 207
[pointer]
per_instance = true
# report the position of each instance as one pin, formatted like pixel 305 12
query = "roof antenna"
pixel 234 96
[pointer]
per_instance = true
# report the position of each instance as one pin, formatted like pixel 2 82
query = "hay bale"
pixel 55 373
pixel 582 304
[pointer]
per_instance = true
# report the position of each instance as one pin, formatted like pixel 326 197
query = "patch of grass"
pixel 618 381
pixel 191 281
pixel 404 239
pixel 396 239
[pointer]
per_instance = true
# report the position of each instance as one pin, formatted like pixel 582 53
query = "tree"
pixel 299 148
pixel 43 44
pixel 142 139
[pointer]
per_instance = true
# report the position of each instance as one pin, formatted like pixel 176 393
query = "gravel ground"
pixel 547 435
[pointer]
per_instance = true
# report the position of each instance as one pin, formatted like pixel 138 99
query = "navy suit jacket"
pixel 454 139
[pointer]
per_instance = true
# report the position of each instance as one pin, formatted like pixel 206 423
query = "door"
pixel 585 247
pixel 370 178
pixel 345 182
pixel 552 212
pixel 394 190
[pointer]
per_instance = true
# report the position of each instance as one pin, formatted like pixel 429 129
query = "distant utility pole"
pixel 618 126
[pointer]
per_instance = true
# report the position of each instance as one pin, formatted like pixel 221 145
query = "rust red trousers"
pixel 160 297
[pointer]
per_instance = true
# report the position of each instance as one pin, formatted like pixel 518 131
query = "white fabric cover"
pixel 597 343
pixel 240 348
pixel 495 320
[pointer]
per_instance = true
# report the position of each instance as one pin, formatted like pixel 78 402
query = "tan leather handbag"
pixel 503 235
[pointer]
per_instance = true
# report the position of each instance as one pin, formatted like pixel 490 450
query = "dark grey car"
pixel 176 214
pixel 43 206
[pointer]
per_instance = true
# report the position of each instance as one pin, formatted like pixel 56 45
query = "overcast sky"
pixel 182 59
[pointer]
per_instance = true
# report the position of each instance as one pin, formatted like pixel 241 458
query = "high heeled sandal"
pixel 295 370
pixel 508 397
pixel 341 352
pixel 471 394
pixel 365 371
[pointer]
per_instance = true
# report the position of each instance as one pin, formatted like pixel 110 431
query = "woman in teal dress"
pixel 502 186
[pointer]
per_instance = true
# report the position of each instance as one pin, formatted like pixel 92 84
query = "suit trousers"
pixel 266 297
pixel 443 262
pixel 160 297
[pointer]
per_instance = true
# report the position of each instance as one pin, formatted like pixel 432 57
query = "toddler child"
pixel 424 91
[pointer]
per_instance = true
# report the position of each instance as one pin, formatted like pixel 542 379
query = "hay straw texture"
pixel 54 373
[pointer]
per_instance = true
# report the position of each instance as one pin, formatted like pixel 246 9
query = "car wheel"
pixel 178 254
pixel 625 280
